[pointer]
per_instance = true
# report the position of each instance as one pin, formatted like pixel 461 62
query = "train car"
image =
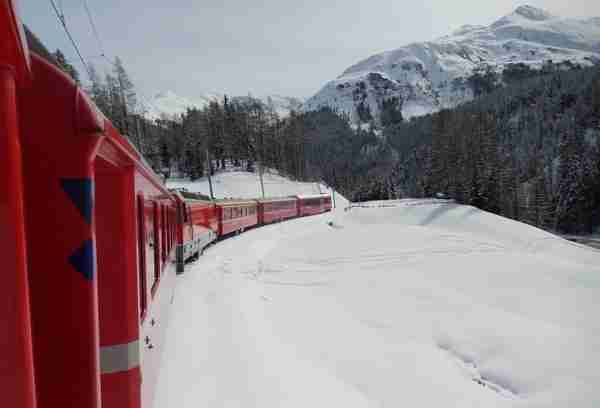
pixel 276 209
pixel 311 204
pixel 197 228
pixel 236 216
pixel 327 204
pixel 16 354
pixel 101 234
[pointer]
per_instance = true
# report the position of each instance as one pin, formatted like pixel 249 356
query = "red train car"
pixel 327 204
pixel 312 204
pixel 101 234
pixel 16 355
pixel 236 216
pixel 277 209
pixel 197 227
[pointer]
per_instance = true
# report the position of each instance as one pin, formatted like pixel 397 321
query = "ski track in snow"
pixel 417 303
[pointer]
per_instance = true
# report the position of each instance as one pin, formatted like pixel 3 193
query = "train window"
pixel 163 234
pixel 157 246
pixel 141 256
pixel 151 245
pixel 168 231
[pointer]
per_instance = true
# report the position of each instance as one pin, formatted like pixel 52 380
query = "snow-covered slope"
pixel 169 104
pixel 424 304
pixel 432 75
pixel 241 184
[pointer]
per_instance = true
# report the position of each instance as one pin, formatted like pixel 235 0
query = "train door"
pixel 115 227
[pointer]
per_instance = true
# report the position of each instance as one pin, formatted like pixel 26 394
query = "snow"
pixel 406 303
pixel 242 184
pixel 169 104
pixel 423 74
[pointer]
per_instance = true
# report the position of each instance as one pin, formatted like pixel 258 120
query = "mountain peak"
pixel 533 13
pixel 428 76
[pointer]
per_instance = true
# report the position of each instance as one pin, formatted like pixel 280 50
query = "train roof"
pixel 234 203
pixel 309 196
pixel 189 196
pixel 276 199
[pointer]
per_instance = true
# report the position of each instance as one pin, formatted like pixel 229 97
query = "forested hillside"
pixel 528 150
pixel 242 131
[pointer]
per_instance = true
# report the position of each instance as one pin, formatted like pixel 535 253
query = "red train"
pixel 222 218
pixel 277 209
pixel 313 204
pixel 91 241
pixel 197 227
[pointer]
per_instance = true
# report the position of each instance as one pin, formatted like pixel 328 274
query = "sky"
pixel 258 47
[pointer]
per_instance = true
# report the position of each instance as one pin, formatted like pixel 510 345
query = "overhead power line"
pixel 63 22
pixel 93 25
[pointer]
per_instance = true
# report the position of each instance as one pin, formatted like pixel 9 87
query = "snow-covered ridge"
pixel 169 104
pixel 242 184
pixel 430 76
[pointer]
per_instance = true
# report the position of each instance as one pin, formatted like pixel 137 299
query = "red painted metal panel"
pixel 13 45
pixel 16 358
pixel 277 210
pixel 57 159
pixel 122 389
pixel 117 277
pixel 235 216
pixel 327 204
pixel 203 216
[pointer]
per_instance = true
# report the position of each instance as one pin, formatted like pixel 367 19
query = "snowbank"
pixel 422 303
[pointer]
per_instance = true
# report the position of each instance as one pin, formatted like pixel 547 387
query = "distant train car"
pixel 100 230
pixel 312 204
pixel 197 227
pixel 276 209
pixel 16 354
pixel 236 216
pixel 327 204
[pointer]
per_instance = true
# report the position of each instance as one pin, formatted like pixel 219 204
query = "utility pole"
pixel 212 196
pixel 260 175
pixel 333 196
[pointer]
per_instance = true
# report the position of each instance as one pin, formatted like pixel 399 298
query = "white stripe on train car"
pixel 119 357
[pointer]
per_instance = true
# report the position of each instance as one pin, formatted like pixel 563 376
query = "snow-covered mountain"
pixel 169 104
pixel 429 76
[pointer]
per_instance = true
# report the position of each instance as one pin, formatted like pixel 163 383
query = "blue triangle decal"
pixel 83 260
pixel 80 191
